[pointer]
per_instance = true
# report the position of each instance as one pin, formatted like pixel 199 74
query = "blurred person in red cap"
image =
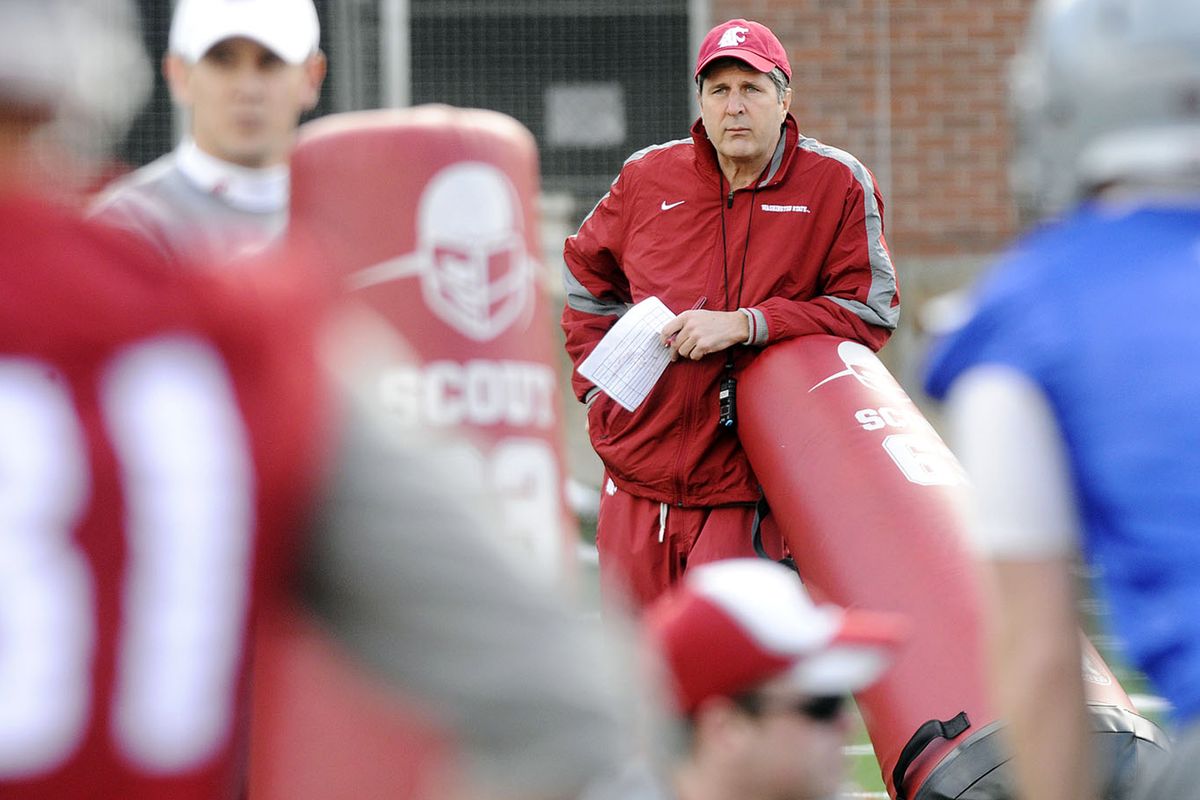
pixel 752 233
pixel 762 677
pixel 244 71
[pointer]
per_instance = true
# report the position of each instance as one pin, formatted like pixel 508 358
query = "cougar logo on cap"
pixel 475 271
pixel 733 37
pixel 746 40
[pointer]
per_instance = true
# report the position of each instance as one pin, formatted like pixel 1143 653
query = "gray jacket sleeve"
pixel 405 571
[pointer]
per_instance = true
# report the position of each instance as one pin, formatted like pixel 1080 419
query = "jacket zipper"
pixel 689 402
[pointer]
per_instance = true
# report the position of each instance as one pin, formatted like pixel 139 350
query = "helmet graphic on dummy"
pixel 1105 91
pixel 478 276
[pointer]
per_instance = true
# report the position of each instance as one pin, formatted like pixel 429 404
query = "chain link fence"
pixel 594 80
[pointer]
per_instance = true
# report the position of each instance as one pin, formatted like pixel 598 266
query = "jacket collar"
pixel 259 191
pixel 706 154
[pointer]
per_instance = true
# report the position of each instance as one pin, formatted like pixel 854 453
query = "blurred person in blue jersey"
pixel 1071 390
pixel 244 72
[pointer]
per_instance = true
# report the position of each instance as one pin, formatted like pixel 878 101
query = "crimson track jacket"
pixel 802 250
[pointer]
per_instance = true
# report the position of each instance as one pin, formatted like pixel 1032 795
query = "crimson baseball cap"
pixel 288 28
pixel 745 40
pixel 732 625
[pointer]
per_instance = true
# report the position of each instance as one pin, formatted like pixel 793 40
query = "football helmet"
pixel 80 62
pixel 1105 91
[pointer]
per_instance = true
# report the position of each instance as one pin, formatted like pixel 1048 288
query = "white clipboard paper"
pixel 630 358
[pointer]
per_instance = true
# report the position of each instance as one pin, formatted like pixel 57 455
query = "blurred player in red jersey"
pixel 146 477
pixel 160 450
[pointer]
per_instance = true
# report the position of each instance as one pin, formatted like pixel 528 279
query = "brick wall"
pixel 916 89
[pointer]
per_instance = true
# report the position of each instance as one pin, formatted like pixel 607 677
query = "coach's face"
pixel 742 111
pixel 245 101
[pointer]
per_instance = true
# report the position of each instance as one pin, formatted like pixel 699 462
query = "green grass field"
pixel 864 780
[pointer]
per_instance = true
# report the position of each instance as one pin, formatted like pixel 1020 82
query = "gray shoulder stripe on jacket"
pixel 878 309
pixel 867 313
pixel 776 160
pixel 640 153
pixel 583 301
pixel 634 157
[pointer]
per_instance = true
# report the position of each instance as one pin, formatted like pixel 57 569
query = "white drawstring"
pixel 662 522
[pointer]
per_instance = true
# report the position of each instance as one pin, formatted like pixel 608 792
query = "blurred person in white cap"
pixel 752 233
pixel 244 71
pixel 763 678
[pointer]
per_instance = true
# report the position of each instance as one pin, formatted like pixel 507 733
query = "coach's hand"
pixel 695 334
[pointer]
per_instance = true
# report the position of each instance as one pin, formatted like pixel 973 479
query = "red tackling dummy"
pixel 424 223
pixel 871 504
pixel 428 216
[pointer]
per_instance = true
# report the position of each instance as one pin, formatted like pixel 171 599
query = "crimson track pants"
pixel 645 546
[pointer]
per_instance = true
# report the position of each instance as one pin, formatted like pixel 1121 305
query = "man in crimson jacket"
pixel 762 234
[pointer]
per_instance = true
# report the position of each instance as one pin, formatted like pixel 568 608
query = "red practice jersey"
pixel 157 434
